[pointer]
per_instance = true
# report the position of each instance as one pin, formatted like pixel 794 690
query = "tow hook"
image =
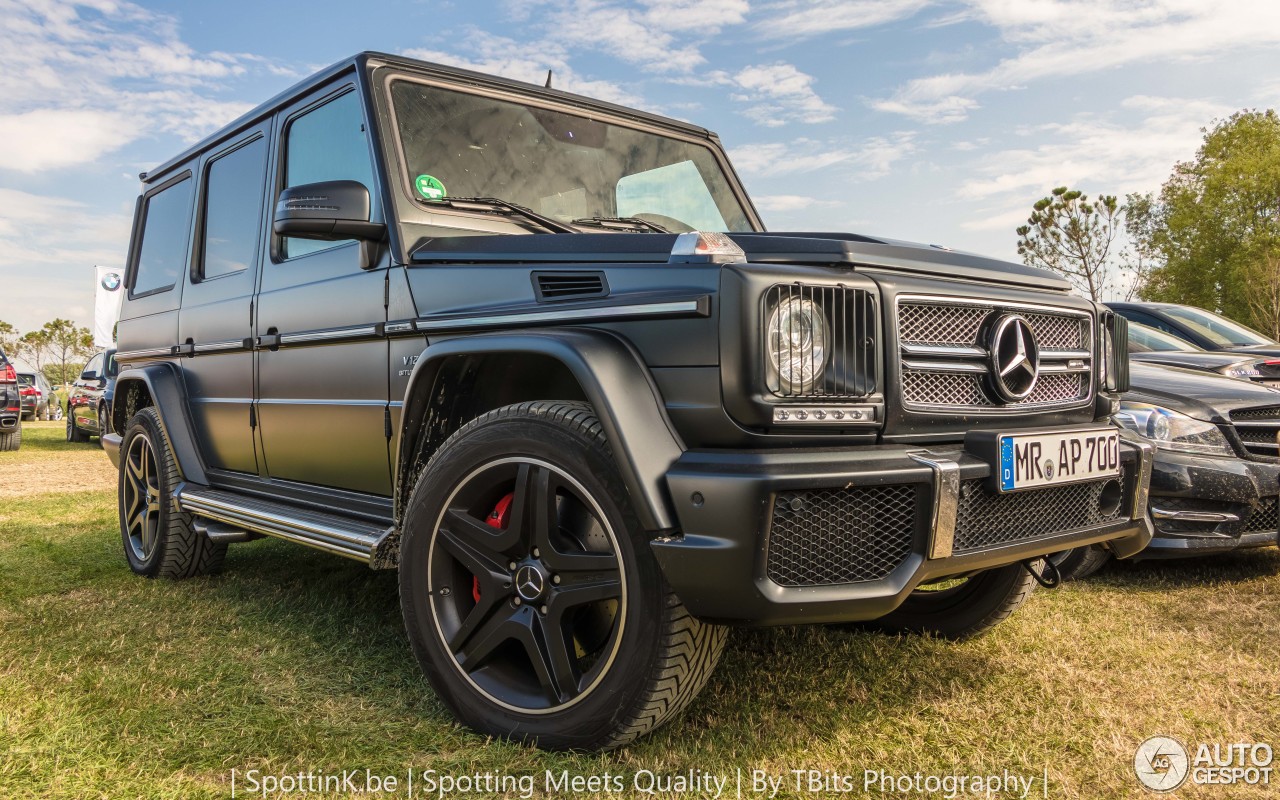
pixel 1048 575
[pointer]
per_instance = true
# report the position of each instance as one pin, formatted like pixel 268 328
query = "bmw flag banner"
pixel 106 305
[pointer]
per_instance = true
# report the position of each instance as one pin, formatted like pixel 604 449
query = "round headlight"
pixel 797 342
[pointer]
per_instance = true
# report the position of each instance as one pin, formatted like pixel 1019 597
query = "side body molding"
pixel 615 382
pixel 164 384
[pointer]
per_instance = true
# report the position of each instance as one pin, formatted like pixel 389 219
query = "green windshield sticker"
pixel 429 187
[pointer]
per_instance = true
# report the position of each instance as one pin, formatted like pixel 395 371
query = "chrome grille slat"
pixel 965 389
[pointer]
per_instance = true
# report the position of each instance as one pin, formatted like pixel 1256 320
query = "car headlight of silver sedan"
pixel 1171 430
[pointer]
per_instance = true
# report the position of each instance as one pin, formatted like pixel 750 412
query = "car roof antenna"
pixel 548 83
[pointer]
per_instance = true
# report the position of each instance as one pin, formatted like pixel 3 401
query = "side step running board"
pixel 344 536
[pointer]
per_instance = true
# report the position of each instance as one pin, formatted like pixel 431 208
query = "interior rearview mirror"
pixel 329 211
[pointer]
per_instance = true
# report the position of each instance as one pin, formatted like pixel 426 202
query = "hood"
pixel 890 254
pixel 835 249
pixel 1255 350
pixel 1197 394
pixel 1211 362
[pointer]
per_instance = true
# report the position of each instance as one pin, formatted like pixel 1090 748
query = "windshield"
pixel 1145 339
pixel 1219 330
pixel 560 165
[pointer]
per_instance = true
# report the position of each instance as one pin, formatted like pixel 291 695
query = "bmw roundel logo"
pixel 111 281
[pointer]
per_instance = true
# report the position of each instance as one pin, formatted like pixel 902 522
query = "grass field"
pixel 114 686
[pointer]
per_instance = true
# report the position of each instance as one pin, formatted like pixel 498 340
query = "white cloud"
pixel 1059 38
pixel 81 78
pixel 1095 154
pixel 790 202
pixel 867 160
pixel 498 55
pixel 779 94
pixel 804 18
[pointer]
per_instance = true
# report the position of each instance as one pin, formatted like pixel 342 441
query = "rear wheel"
pixel 961 608
pixel 159 539
pixel 529 591
pixel 11 440
pixel 74 434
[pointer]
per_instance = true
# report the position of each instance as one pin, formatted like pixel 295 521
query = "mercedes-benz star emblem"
pixel 529 582
pixel 1015 359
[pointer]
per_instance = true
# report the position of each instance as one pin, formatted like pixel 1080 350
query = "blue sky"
pixel 933 121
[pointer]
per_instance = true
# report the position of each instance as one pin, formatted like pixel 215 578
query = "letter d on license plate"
pixel 1053 459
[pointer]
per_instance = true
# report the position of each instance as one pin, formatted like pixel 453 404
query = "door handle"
pixel 270 340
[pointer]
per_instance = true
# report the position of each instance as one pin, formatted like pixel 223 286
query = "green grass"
pixel 116 686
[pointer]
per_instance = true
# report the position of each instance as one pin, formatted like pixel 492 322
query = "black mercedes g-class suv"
pixel 538 353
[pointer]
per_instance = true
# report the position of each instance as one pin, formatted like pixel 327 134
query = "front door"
pixel 322 364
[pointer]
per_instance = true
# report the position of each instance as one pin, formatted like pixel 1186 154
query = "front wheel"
pixel 961 608
pixel 529 591
pixel 1081 562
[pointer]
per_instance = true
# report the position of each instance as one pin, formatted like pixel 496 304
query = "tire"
pixel 74 434
pixel 55 412
pixel 12 440
pixel 159 540
pixel 1081 562
pixel 963 611
pixel 102 422
pixel 625 656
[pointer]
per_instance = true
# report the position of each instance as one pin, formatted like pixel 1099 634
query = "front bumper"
pixel 836 535
pixel 1202 505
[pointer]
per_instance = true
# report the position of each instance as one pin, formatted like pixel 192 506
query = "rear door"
pixel 215 327
pixel 322 363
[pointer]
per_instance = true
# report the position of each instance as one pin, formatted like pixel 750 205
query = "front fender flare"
pixel 615 382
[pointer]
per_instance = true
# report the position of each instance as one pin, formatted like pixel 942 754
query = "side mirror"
pixel 330 211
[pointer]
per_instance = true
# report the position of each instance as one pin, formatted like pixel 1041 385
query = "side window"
pixel 233 210
pixel 163 250
pixel 1152 321
pixel 93 369
pixel 328 143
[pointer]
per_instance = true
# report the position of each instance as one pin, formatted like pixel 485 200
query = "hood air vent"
pixel 552 286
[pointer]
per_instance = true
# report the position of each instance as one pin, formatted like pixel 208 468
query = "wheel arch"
pixel 602 368
pixel 159 385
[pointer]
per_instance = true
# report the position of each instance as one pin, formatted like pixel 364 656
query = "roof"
pixel 358 62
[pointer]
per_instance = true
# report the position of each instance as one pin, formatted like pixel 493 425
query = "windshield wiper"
pixel 621 224
pixel 492 205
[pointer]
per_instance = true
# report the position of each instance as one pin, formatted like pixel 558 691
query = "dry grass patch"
pixel 115 686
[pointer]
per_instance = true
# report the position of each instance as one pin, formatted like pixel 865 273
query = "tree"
pixel 1263 296
pixel 32 347
pixel 1072 236
pixel 67 346
pixel 8 338
pixel 1140 257
pixel 1216 224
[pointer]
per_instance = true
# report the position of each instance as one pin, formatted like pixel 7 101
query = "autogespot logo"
pixel 1161 763
pixel 111 281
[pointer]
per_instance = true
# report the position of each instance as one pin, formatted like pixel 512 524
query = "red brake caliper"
pixel 498 518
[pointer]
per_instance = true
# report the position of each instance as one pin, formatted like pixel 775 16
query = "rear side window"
pixel 233 210
pixel 326 144
pixel 162 255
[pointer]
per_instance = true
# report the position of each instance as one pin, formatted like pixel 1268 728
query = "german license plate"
pixel 1052 459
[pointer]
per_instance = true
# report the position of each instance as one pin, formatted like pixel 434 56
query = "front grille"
pixel 988 519
pixel 941 325
pixel 846 367
pixel 965 389
pixel 937 334
pixel 1257 428
pixel 824 537
pixel 1265 518
pixel 1270 412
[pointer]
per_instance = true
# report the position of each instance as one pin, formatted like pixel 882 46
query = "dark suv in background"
pixel 10 406
pixel 539 354
pixel 37 395
pixel 89 398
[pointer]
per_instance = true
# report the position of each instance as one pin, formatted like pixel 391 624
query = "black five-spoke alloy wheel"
pixel 140 498
pixel 529 590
